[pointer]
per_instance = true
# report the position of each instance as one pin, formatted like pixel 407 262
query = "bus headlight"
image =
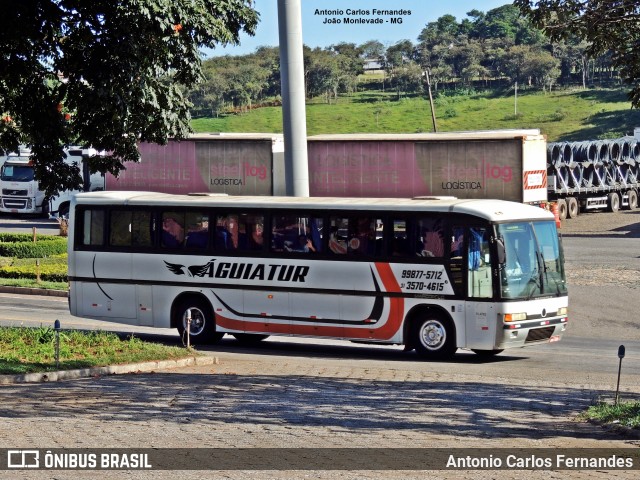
pixel 514 317
pixel 562 312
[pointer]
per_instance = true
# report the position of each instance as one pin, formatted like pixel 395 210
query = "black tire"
pixel 613 202
pixel 45 208
pixel 486 353
pixel 632 198
pixel 249 338
pixel 573 209
pixel 562 209
pixel 63 211
pixel 434 337
pixel 203 324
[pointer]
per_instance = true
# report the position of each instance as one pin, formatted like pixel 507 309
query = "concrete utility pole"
pixel 294 116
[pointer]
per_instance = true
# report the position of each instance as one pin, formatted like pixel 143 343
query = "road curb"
pixel 34 291
pixel 142 367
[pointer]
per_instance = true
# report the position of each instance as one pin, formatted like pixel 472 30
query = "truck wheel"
pixel 572 207
pixel 632 199
pixel 562 209
pixel 613 202
pixel 63 210
pixel 434 337
pixel 203 325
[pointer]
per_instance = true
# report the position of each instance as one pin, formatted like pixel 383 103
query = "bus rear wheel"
pixel 434 337
pixel 203 325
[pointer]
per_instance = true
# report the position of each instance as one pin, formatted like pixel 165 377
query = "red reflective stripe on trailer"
pixel 543 184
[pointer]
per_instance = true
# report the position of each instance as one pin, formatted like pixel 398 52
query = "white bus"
pixel 433 274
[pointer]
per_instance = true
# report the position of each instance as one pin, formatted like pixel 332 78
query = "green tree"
pixel 608 25
pixel 105 73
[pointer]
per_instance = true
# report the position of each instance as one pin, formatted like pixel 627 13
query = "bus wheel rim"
pixel 197 321
pixel 433 335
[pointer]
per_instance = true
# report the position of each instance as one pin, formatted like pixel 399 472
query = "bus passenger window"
pixel 93 227
pixel 120 229
pixel 141 229
pixel 291 233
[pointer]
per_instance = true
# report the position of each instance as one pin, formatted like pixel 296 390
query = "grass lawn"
pixel 561 115
pixel 28 350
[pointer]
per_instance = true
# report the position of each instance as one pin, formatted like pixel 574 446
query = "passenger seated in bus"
pixel 305 245
pixel 227 233
pixel 172 232
pixel 198 235
pixel 257 239
pixel 362 240
pixel 432 245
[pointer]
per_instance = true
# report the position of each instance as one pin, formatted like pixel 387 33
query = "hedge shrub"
pixel 46 246
pixel 49 273
pixel 25 237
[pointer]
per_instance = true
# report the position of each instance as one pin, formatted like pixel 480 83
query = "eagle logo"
pixel 192 271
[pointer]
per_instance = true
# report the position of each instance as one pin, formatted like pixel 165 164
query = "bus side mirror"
pixel 502 255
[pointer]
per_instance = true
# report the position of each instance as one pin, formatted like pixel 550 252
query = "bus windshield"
pixel 533 260
pixel 17 173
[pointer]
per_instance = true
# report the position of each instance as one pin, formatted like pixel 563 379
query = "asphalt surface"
pixel 303 401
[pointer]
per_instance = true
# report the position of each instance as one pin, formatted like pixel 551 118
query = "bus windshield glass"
pixel 533 260
pixel 17 173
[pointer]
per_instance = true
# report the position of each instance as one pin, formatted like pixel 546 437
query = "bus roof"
pixel 493 210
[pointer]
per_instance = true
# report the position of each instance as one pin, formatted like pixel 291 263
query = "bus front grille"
pixel 539 334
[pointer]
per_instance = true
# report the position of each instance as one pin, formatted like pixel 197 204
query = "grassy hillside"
pixel 561 115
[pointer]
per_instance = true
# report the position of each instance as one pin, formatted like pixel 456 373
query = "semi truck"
pixel 592 175
pixel 505 164
pixel 20 192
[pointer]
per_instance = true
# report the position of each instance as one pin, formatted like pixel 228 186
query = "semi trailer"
pixel 592 175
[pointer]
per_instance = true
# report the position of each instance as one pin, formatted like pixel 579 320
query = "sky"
pixel 316 33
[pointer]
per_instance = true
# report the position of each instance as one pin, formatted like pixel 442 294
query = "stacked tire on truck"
pixel 591 175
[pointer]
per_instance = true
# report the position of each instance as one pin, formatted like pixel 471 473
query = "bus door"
pixel 480 312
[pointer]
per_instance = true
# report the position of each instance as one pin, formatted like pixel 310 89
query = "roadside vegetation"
pixel 626 414
pixel 28 350
pixel 27 263
pixel 572 114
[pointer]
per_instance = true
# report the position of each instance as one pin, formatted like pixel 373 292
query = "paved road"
pixel 291 394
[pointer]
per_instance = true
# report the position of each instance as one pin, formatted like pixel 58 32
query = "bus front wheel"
pixel 434 337
pixel 203 325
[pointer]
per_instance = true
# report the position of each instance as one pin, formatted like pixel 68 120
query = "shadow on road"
pixel 358 404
